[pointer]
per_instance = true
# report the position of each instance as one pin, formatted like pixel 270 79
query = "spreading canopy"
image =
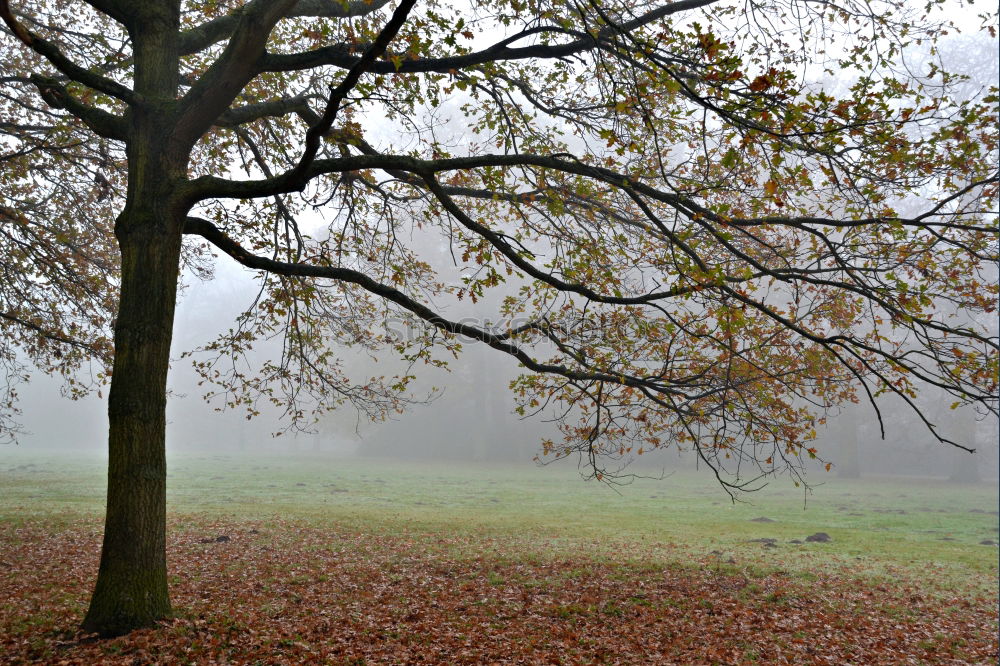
pixel 697 223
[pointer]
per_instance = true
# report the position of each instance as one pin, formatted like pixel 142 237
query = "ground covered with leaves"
pixel 273 591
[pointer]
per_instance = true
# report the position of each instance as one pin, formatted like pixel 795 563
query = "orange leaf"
pixel 761 83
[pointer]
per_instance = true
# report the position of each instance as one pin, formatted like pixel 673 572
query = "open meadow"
pixel 306 559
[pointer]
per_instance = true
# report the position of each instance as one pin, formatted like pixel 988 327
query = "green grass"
pixel 929 529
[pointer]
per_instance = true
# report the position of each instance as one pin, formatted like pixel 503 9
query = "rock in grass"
pixel 762 519
pixel 987 542
pixel 819 537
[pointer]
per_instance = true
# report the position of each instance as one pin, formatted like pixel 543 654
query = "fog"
pixel 462 414
pixel 470 415
pixel 467 413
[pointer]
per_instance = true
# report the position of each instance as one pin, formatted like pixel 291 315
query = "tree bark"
pixel 131 589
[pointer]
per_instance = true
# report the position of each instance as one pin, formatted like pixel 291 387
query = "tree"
pixel 705 246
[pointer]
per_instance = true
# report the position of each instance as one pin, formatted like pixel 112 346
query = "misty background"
pixel 467 413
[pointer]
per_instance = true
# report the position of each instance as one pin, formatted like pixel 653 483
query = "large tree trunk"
pixel 131 586
pixel 131 590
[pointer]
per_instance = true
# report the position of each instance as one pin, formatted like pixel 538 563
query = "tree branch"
pixel 52 53
pixel 211 32
pixel 337 95
pixel 209 187
pixel 339 55
pixel 116 9
pixel 211 233
pixel 497 241
pixel 250 112
pixel 101 122
pixel 48 335
pixel 215 90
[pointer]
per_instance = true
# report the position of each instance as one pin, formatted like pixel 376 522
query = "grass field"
pixel 515 531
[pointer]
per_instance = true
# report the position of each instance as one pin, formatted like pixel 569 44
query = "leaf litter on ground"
pixel 279 591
